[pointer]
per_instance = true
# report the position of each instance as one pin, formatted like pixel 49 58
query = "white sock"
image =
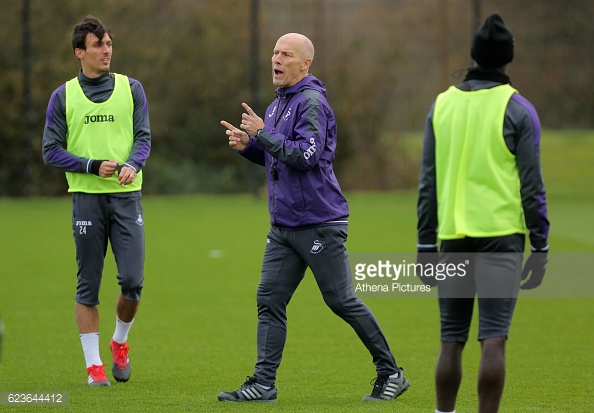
pixel 90 345
pixel 121 331
pixel 395 375
pixel 439 411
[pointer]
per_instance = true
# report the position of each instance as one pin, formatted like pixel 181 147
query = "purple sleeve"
pixel 311 136
pixel 533 193
pixel 54 136
pixel 253 152
pixel 427 198
pixel 141 147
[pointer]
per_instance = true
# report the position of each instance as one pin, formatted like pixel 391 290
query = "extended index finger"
pixel 228 125
pixel 249 110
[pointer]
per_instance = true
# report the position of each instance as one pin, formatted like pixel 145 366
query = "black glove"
pixel 535 265
pixel 427 255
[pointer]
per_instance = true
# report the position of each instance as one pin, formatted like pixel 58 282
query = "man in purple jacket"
pixel 309 220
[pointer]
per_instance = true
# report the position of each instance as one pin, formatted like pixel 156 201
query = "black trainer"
pixel 386 388
pixel 250 391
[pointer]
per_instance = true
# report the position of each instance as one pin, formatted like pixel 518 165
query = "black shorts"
pixel 494 276
pixel 99 219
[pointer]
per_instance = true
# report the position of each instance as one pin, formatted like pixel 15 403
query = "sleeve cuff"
pixel 94 166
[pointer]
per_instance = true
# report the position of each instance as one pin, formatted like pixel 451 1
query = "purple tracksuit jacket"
pixel 297 146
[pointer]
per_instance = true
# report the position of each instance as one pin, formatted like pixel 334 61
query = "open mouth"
pixel 278 72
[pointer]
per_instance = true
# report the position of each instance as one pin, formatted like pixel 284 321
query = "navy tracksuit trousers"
pixel 287 256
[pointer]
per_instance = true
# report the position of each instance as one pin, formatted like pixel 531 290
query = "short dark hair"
pixel 88 25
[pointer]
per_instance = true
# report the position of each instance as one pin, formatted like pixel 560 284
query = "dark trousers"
pixel 288 254
pixel 99 219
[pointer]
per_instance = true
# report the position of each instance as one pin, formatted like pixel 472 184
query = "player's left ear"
pixel 306 64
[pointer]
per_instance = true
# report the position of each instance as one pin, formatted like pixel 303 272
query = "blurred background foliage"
pixel 382 61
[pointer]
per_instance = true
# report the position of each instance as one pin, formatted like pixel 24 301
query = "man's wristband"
pixel 95 165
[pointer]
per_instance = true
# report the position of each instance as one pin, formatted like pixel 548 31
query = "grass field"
pixel 195 333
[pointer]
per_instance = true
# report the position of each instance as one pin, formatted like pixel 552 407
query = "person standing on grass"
pixel 296 142
pixel 480 189
pixel 97 131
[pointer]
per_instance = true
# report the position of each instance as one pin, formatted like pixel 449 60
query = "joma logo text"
pixel 82 226
pixel 98 118
pixel 311 150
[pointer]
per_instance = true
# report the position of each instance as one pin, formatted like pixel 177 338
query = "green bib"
pixel 100 131
pixel 478 186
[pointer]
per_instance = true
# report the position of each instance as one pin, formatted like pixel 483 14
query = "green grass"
pixel 195 333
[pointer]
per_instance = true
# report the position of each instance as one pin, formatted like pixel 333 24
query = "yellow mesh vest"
pixel 478 186
pixel 100 131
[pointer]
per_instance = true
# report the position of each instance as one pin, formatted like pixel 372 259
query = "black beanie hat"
pixel 493 43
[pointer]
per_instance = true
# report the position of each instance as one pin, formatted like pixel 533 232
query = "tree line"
pixel 383 63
